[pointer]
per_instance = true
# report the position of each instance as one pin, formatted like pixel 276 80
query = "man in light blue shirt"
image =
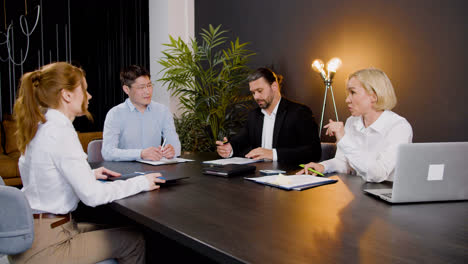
pixel 135 128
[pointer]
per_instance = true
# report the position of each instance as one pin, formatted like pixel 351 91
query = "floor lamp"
pixel 327 77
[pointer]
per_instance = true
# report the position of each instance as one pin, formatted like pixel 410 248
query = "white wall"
pixel 168 17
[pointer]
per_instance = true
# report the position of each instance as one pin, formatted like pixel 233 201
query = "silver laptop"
pixel 426 172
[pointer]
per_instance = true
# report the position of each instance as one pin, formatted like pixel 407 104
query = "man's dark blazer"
pixel 295 135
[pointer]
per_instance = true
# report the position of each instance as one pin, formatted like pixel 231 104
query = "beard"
pixel 265 103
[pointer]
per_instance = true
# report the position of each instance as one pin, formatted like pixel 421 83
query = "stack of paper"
pixel 164 161
pixel 292 182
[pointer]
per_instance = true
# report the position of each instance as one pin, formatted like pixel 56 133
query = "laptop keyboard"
pixel 389 195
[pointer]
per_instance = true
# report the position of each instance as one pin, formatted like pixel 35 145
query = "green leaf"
pixel 209 81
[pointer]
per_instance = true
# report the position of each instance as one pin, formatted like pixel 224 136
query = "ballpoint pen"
pixel 163 144
pixel 311 170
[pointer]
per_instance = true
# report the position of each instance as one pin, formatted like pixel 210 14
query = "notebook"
pixel 426 172
pixel 293 182
pixel 228 170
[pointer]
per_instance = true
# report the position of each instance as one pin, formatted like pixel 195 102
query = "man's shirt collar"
pixel 132 107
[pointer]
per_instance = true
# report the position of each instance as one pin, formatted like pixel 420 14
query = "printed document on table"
pixel 236 160
pixel 292 182
pixel 164 161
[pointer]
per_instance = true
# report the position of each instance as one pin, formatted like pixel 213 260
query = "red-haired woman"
pixel 56 175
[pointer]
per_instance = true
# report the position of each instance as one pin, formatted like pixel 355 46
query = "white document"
pixel 164 161
pixel 292 182
pixel 231 161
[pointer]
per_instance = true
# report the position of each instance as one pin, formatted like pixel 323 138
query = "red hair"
pixel 40 90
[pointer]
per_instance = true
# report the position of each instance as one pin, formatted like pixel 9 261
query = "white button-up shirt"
pixel 268 129
pixel 370 152
pixel 56 175
pixel 127 131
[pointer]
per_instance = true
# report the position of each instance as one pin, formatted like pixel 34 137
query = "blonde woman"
pixel 367 143
pixel 56 175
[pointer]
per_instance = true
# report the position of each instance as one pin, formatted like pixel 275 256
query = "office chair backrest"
pixel 328 150
pixel 108 261
pixel 17 224
pixel 94 151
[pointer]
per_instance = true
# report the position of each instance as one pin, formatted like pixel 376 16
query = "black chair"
pixel 328 150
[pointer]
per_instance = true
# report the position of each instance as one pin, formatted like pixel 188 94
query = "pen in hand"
pixel 163 144
pixel 311 170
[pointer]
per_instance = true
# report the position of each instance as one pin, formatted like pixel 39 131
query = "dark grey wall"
pixel 421 45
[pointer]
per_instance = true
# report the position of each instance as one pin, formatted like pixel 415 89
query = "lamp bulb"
pixel 333 64
pixel 318 65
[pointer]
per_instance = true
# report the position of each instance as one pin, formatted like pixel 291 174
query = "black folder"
pixel 228 170
pixel 168 177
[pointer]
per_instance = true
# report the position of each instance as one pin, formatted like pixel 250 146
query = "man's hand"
pixel 223 149
pixel 151 153
pixel 103 173
pixel 168 151
pixel 335 129
pixel 315 166
pixel 260 153
pixel 154 178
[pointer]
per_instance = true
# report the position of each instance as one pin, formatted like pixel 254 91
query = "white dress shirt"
pixel 370 152
pixel 268 129
pixel 56 175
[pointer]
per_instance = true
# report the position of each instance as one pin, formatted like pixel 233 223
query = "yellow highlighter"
pixel 311 170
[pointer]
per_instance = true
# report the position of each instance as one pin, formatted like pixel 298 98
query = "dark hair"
pixel 131 73
pixel 266 73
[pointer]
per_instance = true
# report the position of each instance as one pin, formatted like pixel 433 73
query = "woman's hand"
pixel 335 129
pixel 154 178
pixel 315 166
pixel 103 173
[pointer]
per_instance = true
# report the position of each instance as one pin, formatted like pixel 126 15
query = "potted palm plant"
pixel 209 77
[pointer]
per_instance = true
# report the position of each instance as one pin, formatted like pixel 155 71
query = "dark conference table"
pixel 236 220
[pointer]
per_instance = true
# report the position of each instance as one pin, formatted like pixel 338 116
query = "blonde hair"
pixel 40 90
pixel 376 82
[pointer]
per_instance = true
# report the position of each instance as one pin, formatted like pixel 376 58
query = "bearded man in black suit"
pixel 278 129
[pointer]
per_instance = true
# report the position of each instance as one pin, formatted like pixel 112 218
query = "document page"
pixel 293 182
pixel 164 161
pixel 236 160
